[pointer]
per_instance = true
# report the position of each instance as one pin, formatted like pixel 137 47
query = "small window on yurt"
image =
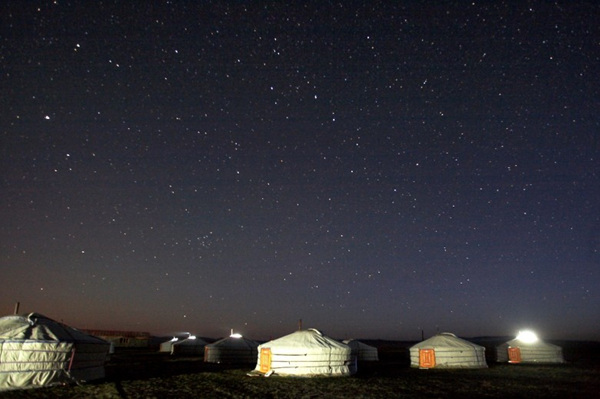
pixel 427 358
pixel 265 360
pixel 514 355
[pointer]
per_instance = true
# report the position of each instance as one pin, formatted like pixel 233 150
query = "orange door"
pixel 426 358
pixel 514 355
pixel 265 360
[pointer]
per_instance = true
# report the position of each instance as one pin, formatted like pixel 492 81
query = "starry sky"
pixel 373 168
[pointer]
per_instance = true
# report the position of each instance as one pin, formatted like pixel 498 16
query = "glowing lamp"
pixel 527 336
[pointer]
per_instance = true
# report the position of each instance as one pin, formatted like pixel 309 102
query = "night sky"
pixel 372 168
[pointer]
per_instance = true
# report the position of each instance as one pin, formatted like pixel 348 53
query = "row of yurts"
pixel 37 351
pixel 304 351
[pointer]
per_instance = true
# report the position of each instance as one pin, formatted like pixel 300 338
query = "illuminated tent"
pixel 446 350
pixel 361 351
pixel 233 349
pixel 184 346
pixel 520 351
pixel 36 351
pixel 305 353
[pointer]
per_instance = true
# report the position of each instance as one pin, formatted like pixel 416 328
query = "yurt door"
pixel 514 355
pixel 426 358
pixel 265 360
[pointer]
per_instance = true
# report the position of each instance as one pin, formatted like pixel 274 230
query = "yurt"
pixel 446 350
pixel 191 345
pixel 527 348
pixel 36 351
pixel 232 349
pixel 304 353
pixel 361 351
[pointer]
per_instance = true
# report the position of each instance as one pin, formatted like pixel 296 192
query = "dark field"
pixel 147 374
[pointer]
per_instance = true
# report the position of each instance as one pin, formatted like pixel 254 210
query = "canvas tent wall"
pixel 361 351
pixel 36 351
pixel 517 351
pixel 446 350
pixel 183 346
pixel 233 349
pixel 304 353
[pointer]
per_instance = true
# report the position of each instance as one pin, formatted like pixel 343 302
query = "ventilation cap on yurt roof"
pixel 448 334
pixel 33 317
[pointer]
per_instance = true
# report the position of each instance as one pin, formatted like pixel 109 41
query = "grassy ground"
pixel 152 375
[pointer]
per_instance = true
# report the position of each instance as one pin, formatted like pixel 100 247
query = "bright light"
pixel 236 335
pixel 527 336
pixel 192 337
pixel 174 339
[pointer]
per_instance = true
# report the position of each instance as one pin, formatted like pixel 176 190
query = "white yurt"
pixel 527 348
pixel 191 345
pixel 232 349
pixel 446 350
pixel 36 351
pixel 304 353
pixel 361 351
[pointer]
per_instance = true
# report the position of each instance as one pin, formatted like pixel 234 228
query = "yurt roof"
pixel 34 326
pixel 310 338
pixel 445 340
pixel 234 342
pixel 537 344
pixel 190 342
pixel 356 344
